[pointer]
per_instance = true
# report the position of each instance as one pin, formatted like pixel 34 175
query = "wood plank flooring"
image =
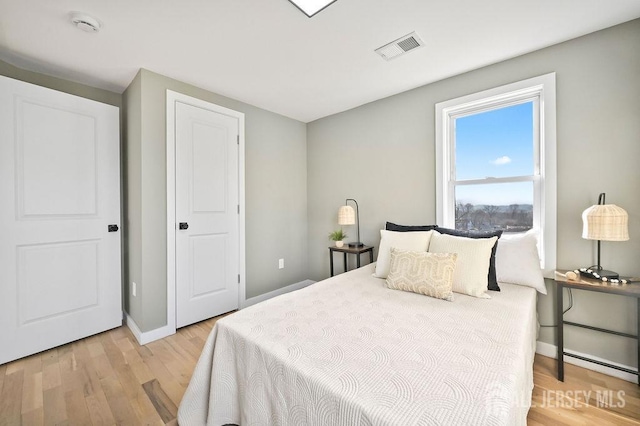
pixel 109 379
pixel 584 398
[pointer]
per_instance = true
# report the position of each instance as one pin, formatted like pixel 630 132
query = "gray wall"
pixel 382 154
pixel 132 196
pixel 275 195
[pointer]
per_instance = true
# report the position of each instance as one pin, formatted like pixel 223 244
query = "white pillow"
pixel 412 241
pixel 474 254
pixel 518 262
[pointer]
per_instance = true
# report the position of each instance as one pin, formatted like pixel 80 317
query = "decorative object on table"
pixel 604 222
pixel 338 236
pixel 572 275
pixel 348 216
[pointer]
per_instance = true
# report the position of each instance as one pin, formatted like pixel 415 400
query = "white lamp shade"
pixel 346 216
pixel 606 222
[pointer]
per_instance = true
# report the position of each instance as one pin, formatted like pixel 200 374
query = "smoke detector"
pixel 400 46
pixel 85 22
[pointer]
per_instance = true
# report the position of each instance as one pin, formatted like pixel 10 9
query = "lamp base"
pixel 356 244
pixel 599 274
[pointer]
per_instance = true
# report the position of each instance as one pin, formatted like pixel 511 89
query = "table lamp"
pixel 604 222
pixel 347 216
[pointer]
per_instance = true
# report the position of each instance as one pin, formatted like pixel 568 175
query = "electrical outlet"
pixel 133 288
pixel 281 264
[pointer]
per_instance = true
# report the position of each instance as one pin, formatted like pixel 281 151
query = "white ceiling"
pixel 269 54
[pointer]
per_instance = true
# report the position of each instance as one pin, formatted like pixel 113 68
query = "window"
pixel 496 162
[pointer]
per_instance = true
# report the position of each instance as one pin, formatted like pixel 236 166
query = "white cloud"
pixel 501 161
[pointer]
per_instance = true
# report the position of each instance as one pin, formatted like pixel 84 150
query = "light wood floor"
pixel 109 379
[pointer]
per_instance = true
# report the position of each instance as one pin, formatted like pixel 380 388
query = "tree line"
pixel 516 217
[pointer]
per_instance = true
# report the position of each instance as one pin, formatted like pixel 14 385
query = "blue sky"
pixel 496 143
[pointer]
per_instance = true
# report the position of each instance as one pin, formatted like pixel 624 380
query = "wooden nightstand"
pixel 358 251
pixel 630 290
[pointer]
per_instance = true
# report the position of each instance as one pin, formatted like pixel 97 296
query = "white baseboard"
pixel 547 349
pixel 266 296
pixel 148 336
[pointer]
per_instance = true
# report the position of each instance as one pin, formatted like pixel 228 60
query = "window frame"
pixel 542 91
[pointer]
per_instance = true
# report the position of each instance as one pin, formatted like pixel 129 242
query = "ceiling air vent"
pixel 400 46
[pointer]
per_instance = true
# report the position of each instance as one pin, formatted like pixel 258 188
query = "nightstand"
pixel 358 251
pixel 629 290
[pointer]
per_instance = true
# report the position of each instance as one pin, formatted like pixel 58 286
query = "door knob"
pixel 113 228
pixel 183 225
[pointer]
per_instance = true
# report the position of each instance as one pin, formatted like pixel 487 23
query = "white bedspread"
pixel 349 351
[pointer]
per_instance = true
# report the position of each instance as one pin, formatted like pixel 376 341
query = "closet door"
pixel 60 276
pixel 207 211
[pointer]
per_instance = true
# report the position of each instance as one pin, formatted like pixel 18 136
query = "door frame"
pixel 172 99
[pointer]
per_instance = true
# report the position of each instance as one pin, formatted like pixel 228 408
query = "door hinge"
pixel 238 139
pixel 238 208
pixel 238 278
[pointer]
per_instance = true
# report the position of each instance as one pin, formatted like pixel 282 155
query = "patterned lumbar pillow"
pixel 420 272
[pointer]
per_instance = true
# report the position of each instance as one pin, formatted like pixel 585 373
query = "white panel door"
pixel 207 228
pixel 59 191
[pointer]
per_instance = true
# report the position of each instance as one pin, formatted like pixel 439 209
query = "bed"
pixel 350 351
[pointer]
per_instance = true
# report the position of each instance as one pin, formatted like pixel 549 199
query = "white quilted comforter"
pixel 349 351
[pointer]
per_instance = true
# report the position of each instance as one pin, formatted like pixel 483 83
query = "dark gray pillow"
pixel 409 228
pixel 491 276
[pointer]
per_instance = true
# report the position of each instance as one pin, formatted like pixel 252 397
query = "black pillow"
pixel 409 228
pixel 491 277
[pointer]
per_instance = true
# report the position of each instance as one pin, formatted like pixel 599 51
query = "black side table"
pixel 629 290
pixel 358 251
